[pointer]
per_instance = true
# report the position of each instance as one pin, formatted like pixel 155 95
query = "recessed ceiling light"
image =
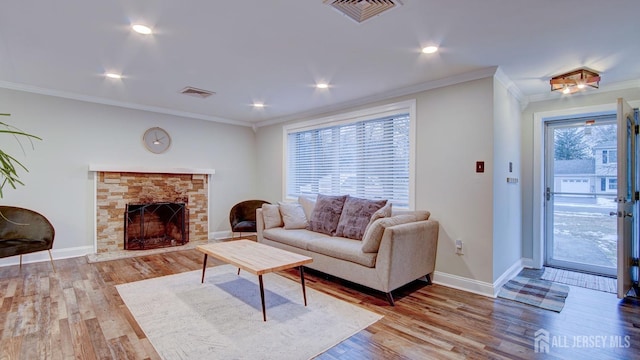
pixel 429 49
pixel 113 76
pixel 258 105
pixel 322 85
pixel 141 29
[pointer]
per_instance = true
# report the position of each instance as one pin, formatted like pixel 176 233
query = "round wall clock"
pixel 156 140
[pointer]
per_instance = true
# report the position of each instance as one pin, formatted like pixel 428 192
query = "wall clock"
pixel 156 140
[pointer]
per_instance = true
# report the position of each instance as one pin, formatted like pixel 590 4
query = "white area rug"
pixel 222 318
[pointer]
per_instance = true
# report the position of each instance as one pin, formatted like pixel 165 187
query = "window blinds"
pixel 368 159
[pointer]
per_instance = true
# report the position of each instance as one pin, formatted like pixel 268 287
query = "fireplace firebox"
pixel 155 225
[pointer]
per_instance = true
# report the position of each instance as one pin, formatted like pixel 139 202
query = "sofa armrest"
pixel 259 224
pixel 407 252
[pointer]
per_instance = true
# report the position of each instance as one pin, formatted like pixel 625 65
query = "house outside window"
pixel 367 154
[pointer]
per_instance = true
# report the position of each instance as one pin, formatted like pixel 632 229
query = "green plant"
pixel 8 163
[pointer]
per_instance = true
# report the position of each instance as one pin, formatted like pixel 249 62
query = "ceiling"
pixel 276 51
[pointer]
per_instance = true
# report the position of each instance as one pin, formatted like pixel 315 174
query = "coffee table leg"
pixel 204 267
pixel 304 291
pixel 264 312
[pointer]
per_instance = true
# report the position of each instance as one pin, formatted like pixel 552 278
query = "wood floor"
pixel 77 313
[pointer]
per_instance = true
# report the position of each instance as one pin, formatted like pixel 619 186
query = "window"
pixel 365 154
pixel 613 184
pixel 609 156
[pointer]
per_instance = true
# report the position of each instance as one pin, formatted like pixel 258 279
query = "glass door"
pixel 581 182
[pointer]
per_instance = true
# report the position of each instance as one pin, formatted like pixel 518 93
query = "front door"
pixel 627 197
pixel 581 182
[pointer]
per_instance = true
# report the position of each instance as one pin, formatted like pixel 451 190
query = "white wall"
pixel 507 200
pixel 530 212
pixel 455 128
pixel 76 134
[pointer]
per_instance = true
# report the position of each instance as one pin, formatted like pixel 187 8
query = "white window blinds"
pixel 368 159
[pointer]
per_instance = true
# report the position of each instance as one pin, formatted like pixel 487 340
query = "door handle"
pixel 619 214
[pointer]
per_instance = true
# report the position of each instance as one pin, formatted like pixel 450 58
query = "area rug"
pixel 222 318
pixel 574 278
pixel 540 293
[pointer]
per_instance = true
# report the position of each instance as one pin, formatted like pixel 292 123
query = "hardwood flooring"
pixel 76 313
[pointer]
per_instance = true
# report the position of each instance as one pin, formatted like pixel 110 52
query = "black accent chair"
pixel 242 216
pixel 24 231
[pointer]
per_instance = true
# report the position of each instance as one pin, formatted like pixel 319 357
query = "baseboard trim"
pixel 509 274
pixel 41 256
pixel 479 287
pixel 463 283
pixel 219 235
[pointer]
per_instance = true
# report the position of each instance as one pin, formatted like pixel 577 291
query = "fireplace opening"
pixel 155 225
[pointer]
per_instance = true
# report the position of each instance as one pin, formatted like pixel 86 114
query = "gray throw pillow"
pixel 292 215
pixel 326 214
pixel 356 215
pixel 271 216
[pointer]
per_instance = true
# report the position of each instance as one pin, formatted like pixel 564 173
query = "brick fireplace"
pixel 116 189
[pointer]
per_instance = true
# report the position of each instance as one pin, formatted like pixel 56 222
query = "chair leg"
pixel 51 258
pixel 20 262
pixel 390 299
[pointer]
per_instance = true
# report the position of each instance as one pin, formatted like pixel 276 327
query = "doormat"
pixel 588 281
pixel 222 318
pixel 541 293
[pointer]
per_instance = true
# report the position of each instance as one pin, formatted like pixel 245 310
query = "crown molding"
pixel 122 104
pixel 429 85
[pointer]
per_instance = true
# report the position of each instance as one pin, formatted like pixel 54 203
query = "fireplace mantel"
pixel 149 170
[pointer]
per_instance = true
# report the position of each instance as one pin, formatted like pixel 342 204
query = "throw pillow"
pixel 271 216
pixel 326 214
pixel 293 215
pixel 307 205
pixel 373 236
pixel 356 215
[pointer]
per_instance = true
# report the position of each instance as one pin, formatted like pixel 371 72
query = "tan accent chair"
pixel 24 231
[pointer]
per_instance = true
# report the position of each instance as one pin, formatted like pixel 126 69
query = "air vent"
pixel 361 10
pixel 191 91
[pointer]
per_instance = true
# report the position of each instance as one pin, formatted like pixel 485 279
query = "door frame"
pixel 539 120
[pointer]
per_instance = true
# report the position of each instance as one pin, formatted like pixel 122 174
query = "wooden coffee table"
pixel 257 259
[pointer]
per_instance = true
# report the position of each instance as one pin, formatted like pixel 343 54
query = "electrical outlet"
pixel 459 247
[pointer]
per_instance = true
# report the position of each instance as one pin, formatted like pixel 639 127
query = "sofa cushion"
pixel 373 236
pixel 326 214
pixel 307 205
pixel 356 215
pixel 271 216
pixel 383 212
pixel 292 215
pixel 299 238
pixel 344 249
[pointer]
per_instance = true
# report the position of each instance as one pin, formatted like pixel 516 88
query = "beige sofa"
pixel 406 252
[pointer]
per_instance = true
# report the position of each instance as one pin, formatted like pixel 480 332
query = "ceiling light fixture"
pixel 322 85
pixel 141 29
pixel 113 76
pixel 429 49
pixel 575 80
pixel 258 105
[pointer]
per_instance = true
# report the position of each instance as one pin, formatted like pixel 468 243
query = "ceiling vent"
pixel 361 10
pixel 191 91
